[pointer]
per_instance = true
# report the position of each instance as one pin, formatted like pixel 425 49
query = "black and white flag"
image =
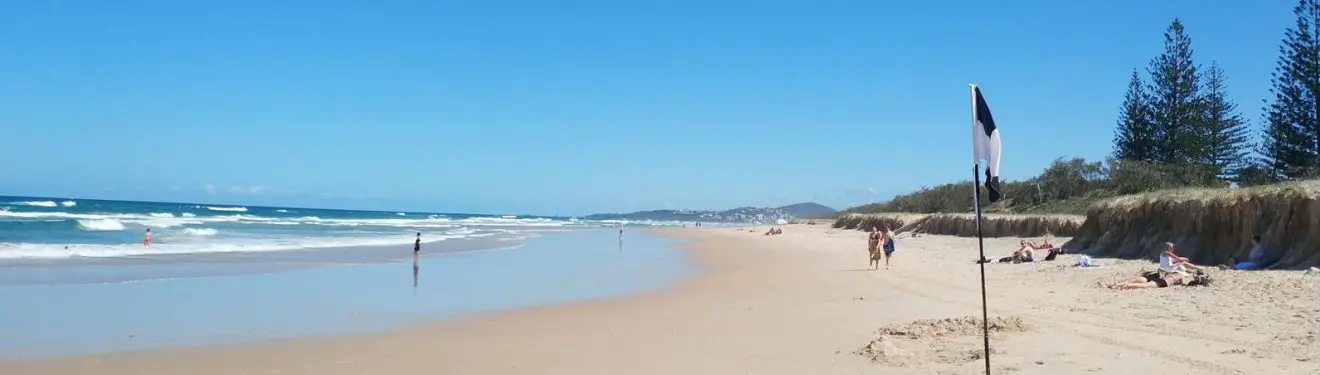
pixel 985 143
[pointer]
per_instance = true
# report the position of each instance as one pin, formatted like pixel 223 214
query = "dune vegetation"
pixel 1183 170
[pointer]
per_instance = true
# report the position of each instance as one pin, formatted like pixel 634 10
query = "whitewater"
pixel 61 228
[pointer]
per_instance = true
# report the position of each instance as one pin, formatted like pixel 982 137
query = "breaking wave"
pixel 100 224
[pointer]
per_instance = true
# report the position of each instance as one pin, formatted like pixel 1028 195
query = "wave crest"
pixel 100 224
pixel 35 203
pixel 227 209
pixel 200 231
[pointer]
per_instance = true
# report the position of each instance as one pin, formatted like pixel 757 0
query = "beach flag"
pixel 985 141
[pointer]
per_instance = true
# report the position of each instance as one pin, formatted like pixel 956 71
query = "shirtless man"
pixel 887 245
pixel 1026 253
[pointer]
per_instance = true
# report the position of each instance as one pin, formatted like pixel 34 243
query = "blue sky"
pixel 573 107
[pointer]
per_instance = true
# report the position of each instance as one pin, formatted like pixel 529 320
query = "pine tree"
pixel 1292 120
pixel 1135 137
pixel 1175 102
pixel 1225 131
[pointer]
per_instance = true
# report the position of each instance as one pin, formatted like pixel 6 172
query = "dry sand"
pixel 801 303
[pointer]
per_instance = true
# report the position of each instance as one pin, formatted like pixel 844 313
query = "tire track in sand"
pixel 1052 321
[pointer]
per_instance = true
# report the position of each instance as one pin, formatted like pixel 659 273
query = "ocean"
pixel 57 228
pixel 224 274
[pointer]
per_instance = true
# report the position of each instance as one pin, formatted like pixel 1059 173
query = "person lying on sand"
pixel 1170 262
pixel 1255 257
pixel 1157 279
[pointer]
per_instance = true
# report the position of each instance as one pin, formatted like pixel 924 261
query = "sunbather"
pixel 1255 257
pixel 1156 279
pixel 1170 262
pixel 1026 253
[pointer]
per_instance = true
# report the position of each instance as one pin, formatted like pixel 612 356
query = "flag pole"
pixel 980 241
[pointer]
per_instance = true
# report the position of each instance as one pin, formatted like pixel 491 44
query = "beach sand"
pixel 802 303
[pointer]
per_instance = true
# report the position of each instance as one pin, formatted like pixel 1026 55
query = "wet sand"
pixel 802 303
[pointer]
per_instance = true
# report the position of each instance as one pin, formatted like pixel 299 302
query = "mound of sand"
pixel 1208 225
pixel 997 225
pixel 952 341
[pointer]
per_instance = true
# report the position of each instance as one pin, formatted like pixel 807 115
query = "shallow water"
pixel 80 310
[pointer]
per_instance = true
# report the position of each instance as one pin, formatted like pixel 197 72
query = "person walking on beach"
pixel 146 239
pixel 887 245
pixel 417 246
pixel 873 248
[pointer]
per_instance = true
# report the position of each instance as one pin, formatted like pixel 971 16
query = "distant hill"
pixel 808 209
pixel 736 215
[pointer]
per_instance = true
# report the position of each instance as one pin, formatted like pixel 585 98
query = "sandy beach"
pixel 803 303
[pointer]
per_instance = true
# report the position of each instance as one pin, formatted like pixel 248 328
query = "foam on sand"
pixel 1208 225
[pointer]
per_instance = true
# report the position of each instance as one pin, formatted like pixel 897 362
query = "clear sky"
pixel 573 107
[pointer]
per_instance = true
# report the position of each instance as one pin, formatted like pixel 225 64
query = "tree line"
pixel 1180 114
pixel 1176 127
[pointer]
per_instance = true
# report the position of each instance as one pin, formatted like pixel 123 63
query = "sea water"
pixel 76 278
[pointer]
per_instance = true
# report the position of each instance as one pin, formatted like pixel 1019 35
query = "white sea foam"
pixel 400 214
pixel 227 209
pixel 282 210
pixel 200 231
pixel 35 203
pixel 100 224
pixel 188 214
pixel 68 203
pixel 51 251
pixel 166 220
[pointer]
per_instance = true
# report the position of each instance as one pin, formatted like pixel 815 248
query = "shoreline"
pixel 799 303
pixel 96 318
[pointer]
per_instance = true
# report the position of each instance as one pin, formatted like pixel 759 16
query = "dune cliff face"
pixel 736 215
pixel 1210 226
pixel 992 225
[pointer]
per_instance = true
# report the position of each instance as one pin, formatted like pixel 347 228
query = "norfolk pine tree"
pixel 1225 132
pixel 1175 104
pixel 1135 137
pixel 1292 119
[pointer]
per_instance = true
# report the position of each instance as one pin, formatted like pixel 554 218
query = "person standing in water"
pixel 146 239
pixel 417 245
